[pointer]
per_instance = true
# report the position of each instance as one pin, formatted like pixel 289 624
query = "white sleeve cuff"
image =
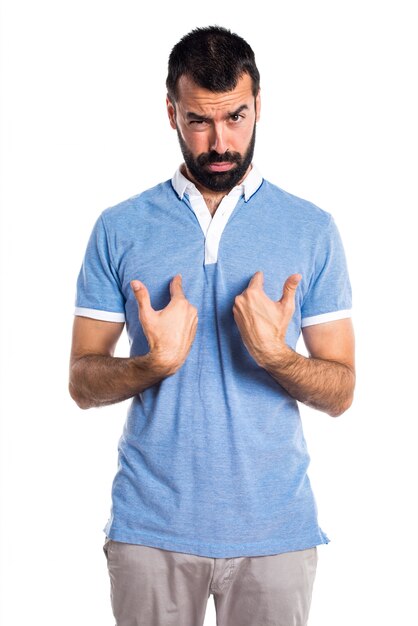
pixel 106 316
pixel 325 317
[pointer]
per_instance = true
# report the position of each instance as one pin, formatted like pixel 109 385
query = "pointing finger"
pixel 141 294
pixel 176 286
pixel 257 280
pixel 289 288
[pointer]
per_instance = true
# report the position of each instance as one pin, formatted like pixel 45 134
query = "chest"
pixel 216 256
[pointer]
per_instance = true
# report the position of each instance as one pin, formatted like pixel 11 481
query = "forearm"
pixel 99 380
pixel 321 384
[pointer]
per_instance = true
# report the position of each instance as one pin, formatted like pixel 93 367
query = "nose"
pixel 218 140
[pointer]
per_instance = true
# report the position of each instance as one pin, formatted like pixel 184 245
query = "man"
pixel 215 273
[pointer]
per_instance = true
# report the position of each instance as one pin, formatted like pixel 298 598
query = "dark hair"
pixel 214 58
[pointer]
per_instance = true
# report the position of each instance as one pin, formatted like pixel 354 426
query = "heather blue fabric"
pixel 213 460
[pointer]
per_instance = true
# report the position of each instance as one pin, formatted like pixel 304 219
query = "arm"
pixel 326 380
pixel 97 378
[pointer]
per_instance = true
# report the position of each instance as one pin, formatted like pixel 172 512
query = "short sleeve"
pixel 98 292
pixel 329 295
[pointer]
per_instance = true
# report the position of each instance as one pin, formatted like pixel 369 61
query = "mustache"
pixel 215 157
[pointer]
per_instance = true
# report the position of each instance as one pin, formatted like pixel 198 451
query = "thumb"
pixel 289 288
pixel 141 294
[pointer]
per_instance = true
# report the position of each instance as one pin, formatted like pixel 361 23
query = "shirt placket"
pixel 213 227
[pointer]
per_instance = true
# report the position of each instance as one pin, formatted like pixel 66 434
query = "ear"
pixel 171 110
pixel 257 106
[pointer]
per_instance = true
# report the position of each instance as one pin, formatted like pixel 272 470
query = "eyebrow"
pixel 195 116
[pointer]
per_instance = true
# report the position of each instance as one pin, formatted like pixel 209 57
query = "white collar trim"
pixel 248 187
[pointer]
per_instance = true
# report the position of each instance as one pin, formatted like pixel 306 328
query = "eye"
pixel 236 117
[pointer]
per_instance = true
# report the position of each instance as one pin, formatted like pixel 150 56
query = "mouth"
pixel 220 167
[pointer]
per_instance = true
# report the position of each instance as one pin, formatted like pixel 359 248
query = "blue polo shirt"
pixel 212 460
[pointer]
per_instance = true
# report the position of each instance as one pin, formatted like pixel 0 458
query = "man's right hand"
pixel 170 331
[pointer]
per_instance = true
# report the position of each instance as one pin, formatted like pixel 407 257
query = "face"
pixel 216 131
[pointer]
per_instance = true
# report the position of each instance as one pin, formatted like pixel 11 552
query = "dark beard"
pixel 218 181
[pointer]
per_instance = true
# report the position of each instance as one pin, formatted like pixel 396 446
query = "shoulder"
pixel 138 204
pixel 295 208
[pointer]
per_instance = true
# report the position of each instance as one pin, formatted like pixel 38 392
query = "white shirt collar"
pixel 248 187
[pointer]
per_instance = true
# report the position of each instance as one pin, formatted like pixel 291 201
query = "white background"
pixel 83 127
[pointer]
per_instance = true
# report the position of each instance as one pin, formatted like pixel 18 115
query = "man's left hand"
pixel 263 322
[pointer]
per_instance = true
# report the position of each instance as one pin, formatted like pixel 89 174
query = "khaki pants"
pixel 156 587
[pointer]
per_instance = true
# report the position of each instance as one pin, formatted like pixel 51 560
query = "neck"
pixel 212 201
pixel 212 198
